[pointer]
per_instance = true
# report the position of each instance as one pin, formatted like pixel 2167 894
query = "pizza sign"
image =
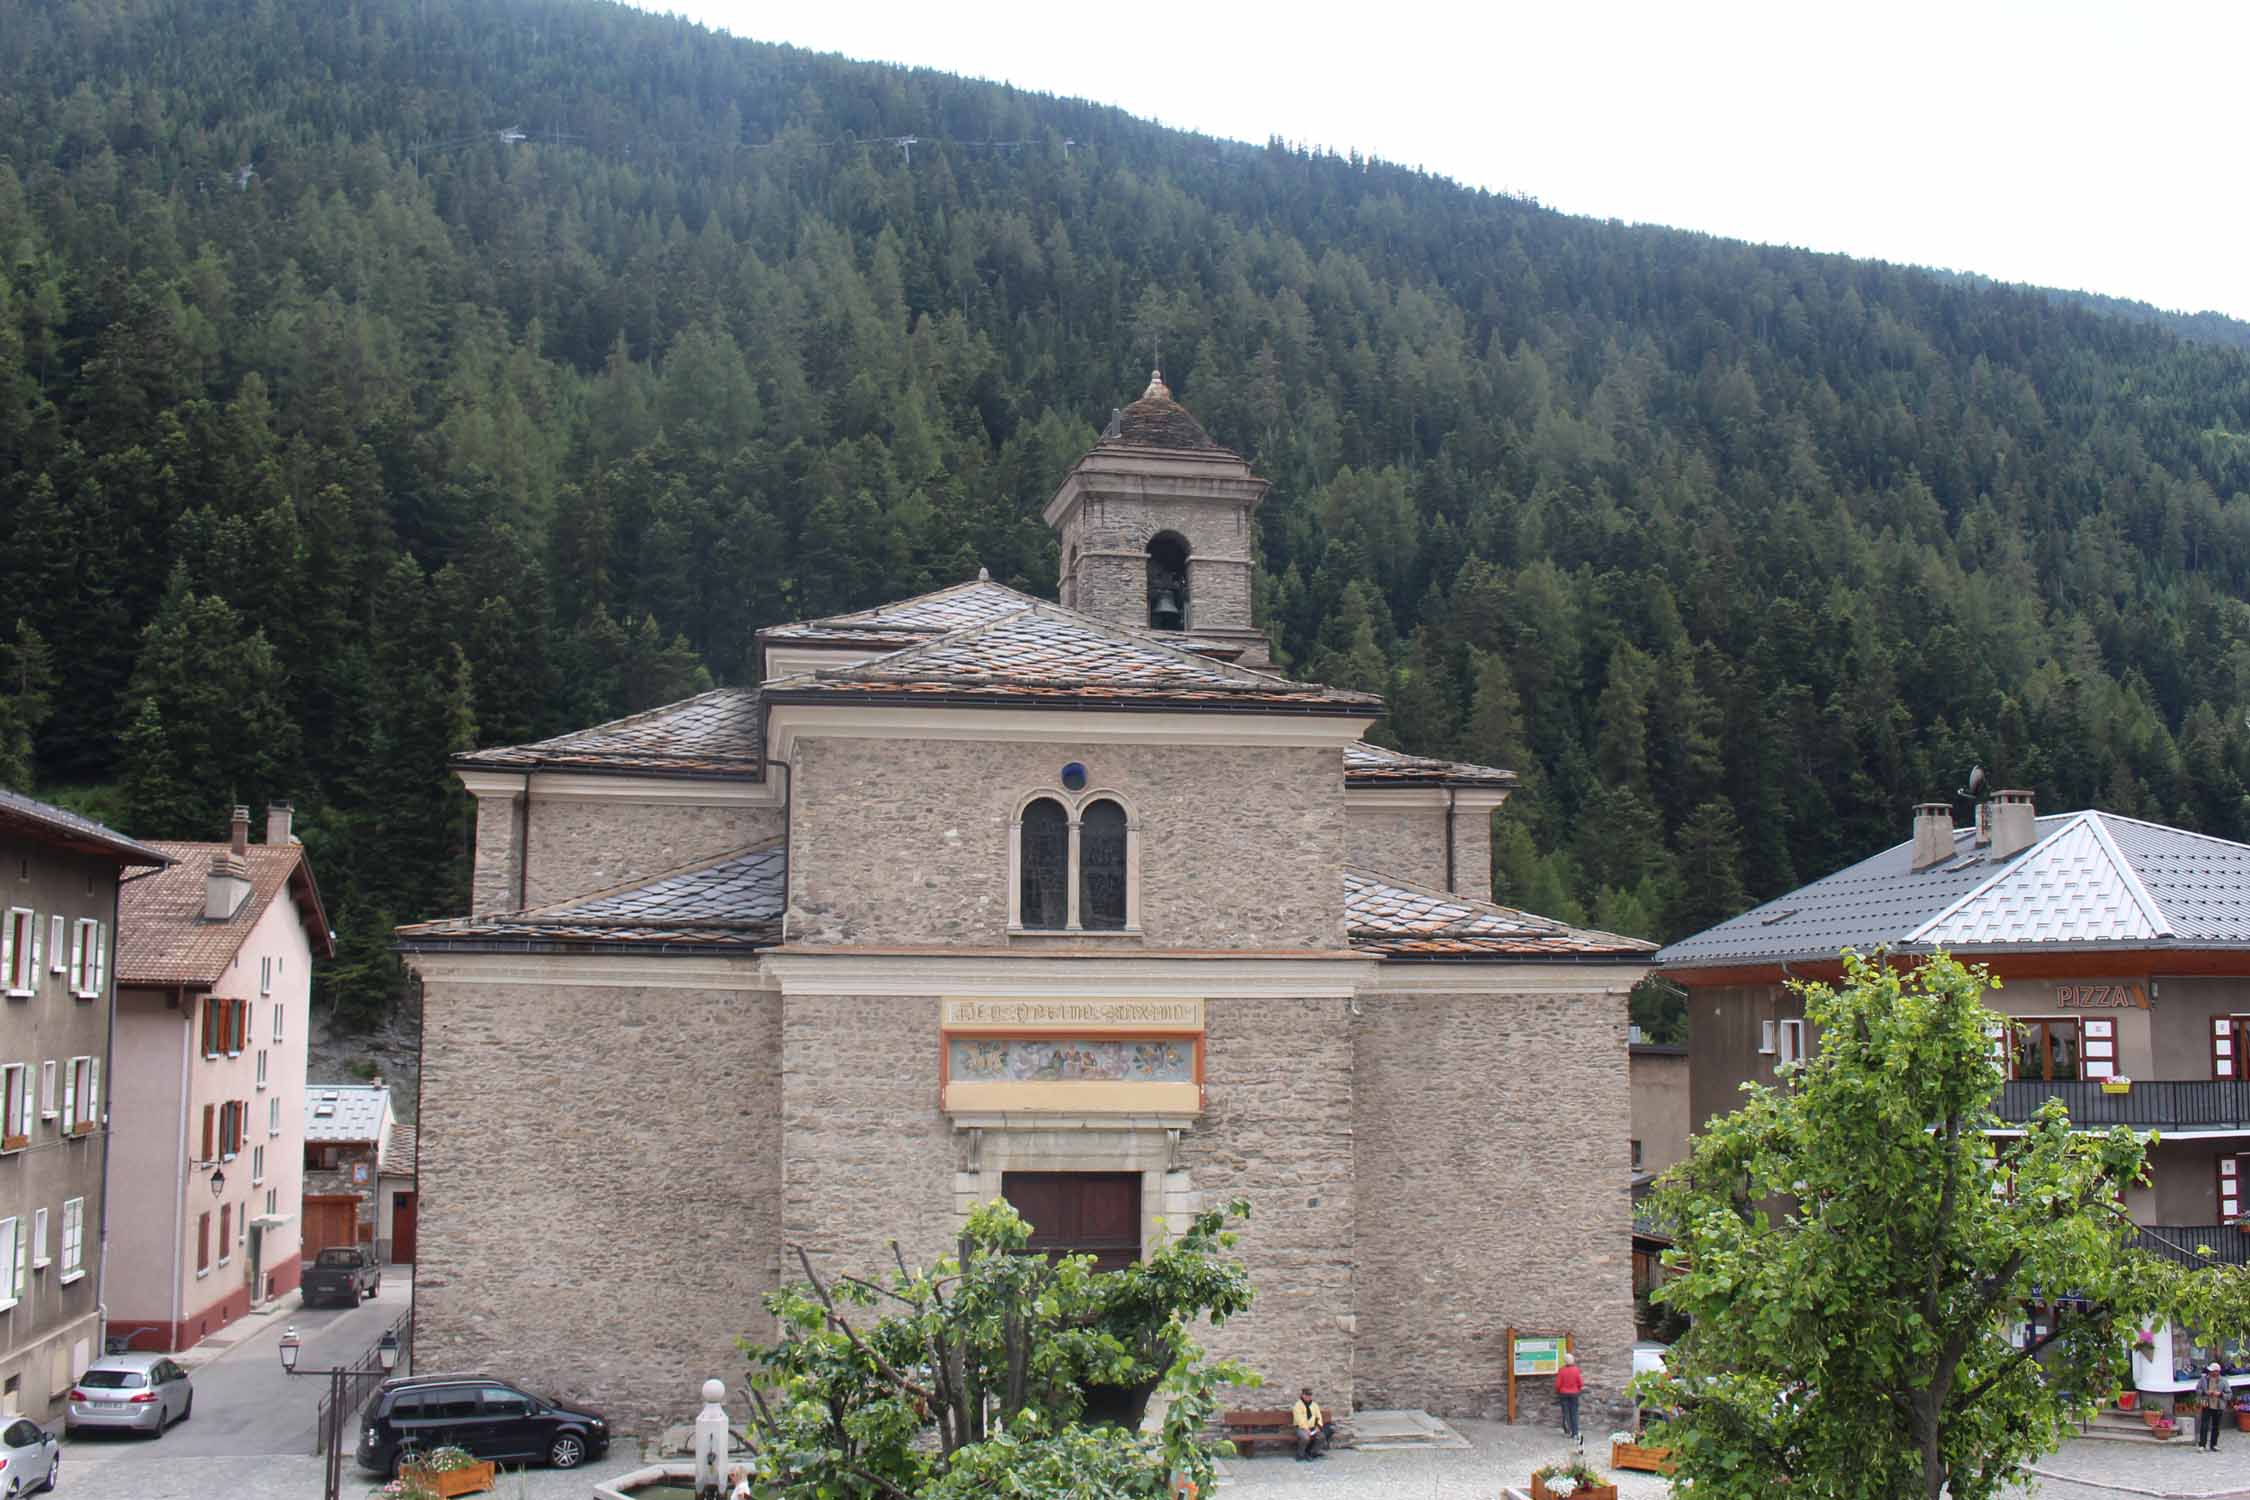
pixel 2101 997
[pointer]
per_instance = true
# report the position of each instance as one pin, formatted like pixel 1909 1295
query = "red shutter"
pixel 209 1115
pixel 241 1024
pixel 2224 1064
pixel 203 1242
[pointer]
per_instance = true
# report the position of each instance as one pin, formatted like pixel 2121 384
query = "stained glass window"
pixel 1101 866
pixel 1046 864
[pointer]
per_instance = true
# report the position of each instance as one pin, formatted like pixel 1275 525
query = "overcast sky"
pixel 2096 146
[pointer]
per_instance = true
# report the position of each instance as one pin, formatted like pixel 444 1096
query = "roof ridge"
pixel 631 718
pixel 1257 680
pixel 2015 862
pixel 2170 828
pixel 889 606
pixel 2150 907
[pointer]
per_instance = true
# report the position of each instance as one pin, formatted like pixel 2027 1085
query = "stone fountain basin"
pixel 651 1482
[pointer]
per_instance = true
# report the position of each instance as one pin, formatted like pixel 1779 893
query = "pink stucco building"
pixel 214 986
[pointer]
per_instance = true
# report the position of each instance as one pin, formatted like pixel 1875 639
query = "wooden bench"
pixel 1247 1429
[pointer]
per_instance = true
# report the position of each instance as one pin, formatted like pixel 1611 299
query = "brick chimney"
pixel 228 884
pixel 2015 825
pixel 278 816
pixel 1933 833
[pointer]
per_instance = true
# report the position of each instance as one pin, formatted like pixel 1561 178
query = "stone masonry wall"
pixel 1278 1129
pixel 1472 855
pixel 1493 1191
pixel 599 1187
pixel 492 887
pixel 866 1154
pixel 578 846
pixel 1405 843
pixel 896 842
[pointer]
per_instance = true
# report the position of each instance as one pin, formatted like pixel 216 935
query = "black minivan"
pixel 490 1418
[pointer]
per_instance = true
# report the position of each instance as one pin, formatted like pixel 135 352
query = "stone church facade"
pixel 980 894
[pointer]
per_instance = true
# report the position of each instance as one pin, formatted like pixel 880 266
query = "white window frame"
pixel 47 1089
pixel 257 1165
pixel 15 1106
pixel 280 1013
pixel 57 962
pixel 11 1261
pixel 273 1200
pixel 1790 1038
pixel 73 1240
pixel 89 959
pixel 1766 1038
pixel 1074 805
pixel 265 975
pixel 273 1115
pixel 40 1260
pixel 19 952
pixel 261 1067
pixel 81 1101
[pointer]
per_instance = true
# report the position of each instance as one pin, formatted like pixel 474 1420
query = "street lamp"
pixel 339 1378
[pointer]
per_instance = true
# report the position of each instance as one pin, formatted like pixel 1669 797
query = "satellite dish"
pixel 1975 788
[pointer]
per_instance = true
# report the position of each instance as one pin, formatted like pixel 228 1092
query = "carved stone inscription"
pixel 1151 1015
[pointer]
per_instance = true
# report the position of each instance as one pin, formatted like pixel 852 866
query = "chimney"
pixel 238 835
pixel 2014 823
pixel 1933 833
pixel 278 815
pixel 228 884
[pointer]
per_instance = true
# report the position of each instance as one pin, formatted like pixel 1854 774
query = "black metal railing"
pixel 2197 1244
pixel 2201 1104
pixel 328 1424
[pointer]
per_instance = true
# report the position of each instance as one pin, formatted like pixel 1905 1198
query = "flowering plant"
pixel 446 1460
pixel 405 1487
pixel 1568 1477
pixel 1624 1437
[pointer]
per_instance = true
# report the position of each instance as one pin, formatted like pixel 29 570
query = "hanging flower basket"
pixel 2117 1085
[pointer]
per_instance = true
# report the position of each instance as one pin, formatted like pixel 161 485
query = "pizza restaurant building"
pixel 2123 954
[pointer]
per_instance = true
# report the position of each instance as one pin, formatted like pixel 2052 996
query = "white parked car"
pixel 30 1458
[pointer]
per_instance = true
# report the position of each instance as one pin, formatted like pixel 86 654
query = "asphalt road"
pixel 246 1405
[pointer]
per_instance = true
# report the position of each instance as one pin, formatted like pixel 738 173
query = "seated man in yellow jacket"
pixel 1314 1430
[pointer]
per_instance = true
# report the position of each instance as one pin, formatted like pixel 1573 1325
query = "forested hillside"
pixel 383 376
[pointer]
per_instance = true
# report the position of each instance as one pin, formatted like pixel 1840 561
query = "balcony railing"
pixel 2192 1105
pixel 2227 1245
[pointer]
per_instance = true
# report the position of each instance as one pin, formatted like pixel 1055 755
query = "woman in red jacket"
pixel 1570 1381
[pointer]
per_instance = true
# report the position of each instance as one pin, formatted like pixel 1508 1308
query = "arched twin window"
pixel 1074 866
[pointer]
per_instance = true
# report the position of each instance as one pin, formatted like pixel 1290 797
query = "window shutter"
pixel 55 944
pixel 93 1091
pixel 2100 1051
pixel 8 949
pixel 47 1087
pixel 70 1095
pixel 2224 1064
pixel 21 1125
pixel 101 957
pixel 77 957
pixel 39 1236
pixel 241 1025
pixel 23 1253
pixel 210 1117
pixel 2230 1189
pixel 1765 1036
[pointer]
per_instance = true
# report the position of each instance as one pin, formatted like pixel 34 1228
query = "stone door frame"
pixel 993 1145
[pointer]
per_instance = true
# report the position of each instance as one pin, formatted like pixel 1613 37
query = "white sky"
pixel 2068 144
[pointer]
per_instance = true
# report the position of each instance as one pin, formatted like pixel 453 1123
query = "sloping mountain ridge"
pixel 381 377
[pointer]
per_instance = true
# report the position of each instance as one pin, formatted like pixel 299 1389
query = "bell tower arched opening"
pixel 1167 581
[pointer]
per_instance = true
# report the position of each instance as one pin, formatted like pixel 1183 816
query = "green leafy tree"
pixel 27 674
pixel 972 1376
pixel 1853 1250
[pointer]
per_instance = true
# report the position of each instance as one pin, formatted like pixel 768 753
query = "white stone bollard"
pixel 711 1441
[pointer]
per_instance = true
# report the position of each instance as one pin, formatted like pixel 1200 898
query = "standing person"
pixel 2211 1405
pixel 1570 1382
pixel 1314 1430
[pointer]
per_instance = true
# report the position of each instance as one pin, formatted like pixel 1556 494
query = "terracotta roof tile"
pixel 1396 920
pixel 163 936
pixel 712 734
pixel 1375 765
pixel 50 824
pixel 730 903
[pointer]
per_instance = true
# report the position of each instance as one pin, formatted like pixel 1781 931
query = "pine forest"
pixel 383 378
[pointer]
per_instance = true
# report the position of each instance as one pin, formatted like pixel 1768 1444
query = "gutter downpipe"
pixel 788 839
pixel 523 888
pixel 1452 877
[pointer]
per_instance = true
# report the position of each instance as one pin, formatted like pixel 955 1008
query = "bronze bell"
pixel 1165 613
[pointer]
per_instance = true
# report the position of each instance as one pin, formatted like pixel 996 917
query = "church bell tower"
pixel 1156 527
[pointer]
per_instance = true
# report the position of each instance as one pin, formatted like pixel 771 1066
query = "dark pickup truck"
pixel 341 1275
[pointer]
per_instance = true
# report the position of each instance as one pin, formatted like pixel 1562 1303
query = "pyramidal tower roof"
pixel 1157 421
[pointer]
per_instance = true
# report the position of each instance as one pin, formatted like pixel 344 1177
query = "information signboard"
pixel 1538 1355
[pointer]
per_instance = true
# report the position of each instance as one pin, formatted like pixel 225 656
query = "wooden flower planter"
pixel 1539 1491
pixel 473 1480
pixel 1642 1456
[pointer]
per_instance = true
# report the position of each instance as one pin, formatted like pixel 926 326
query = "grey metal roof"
pixel 734 902
pixel 346 1111
pixel 2088 879
pixel 49 824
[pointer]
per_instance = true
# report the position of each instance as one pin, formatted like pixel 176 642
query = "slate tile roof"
pixel 976 602
pixel 2089 880
pixel 712 734
pixel 1400 921
pixel 1374 765
pixel 401 1152
pixel 732 903
pixel 163 936
pixel 1046 653
pixel 48 824
pixel 346 1111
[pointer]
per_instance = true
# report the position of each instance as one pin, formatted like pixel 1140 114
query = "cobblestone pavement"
pixel 299 1478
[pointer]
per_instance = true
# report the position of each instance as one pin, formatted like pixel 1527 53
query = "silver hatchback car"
pixel 131 1392
pixel 30 1460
